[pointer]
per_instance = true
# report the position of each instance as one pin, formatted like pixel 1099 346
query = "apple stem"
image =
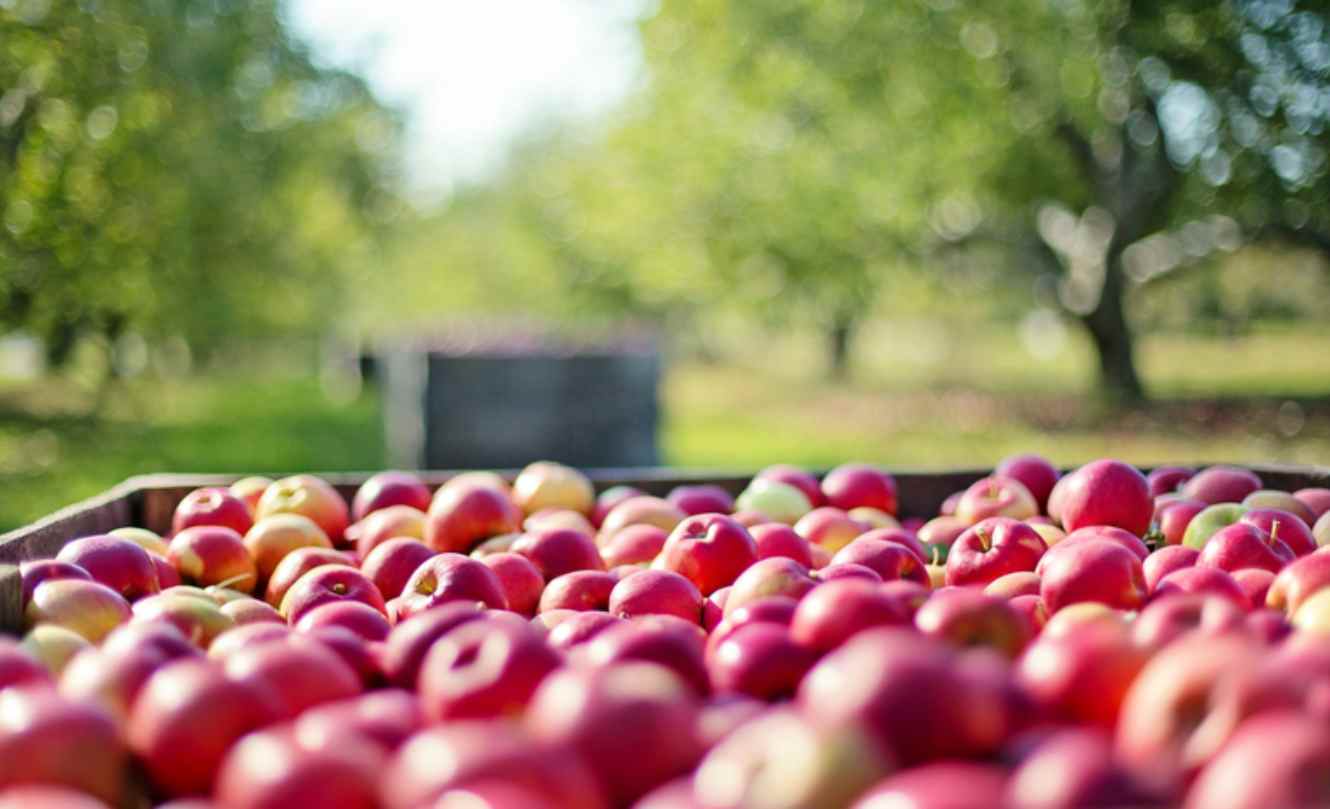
pixel 937 554
pixel 1274 531
pixel 984 541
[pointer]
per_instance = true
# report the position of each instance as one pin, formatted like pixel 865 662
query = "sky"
pixel 472 77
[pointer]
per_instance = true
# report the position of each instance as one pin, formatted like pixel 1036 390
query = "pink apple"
pixel 1107 533
pixel 559 551
pixel 849 570
pixel 1035 472
pixel 710 550
pixel 387 489
pixel 270 769
pixel 889 559
pixel 300 672
pixel 833 612
pixel 1011 585
pixel 294 566
pixel 450 577
pixel 1166 560
pixel 1074 768
pixel 1106 492
pixel 112 675
pixel 992 548
pixel 1243 545
pixel 1167 479
pixel 308 496
pixel 610 498
pixel 1296 583
pixel 776 576
pixel 639 510
pixel 117 563
pixel 48 739
pixel 634 544
pixel 761 660
pixel 855 484
pixel 462 516
pixel 520 578
pixel 829 527
pixel 778 539
pixel 935 785
pixel 412 638
pixel 579 628
pixel 702 498
pixel 1255 584
pixel 579 590
pixel 200 618
pixel 1316 499
pixel 212 506
pixel 1283 526
pixel 1165 620
pixel 996 496
pixel 273 538
pixel 1176 516
pixel 1082 676
pixel 656 592
pixel 1203 580
pixel 251 611
pixel 385 524
pixel 250 489
pixel 241 637
pixel 964 617
pixel 391 564
pixel 213 554
pixel 19 667
pixel 359 617
pixel 484 669
pixel 1097 571
pixel 1221 484
pixel 941 532
pixel 384 718
pixel 1245 776
pixel 663 640
pixel 800 479
pixel 35 572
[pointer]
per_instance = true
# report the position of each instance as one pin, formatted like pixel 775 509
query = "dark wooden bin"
pixel 150 500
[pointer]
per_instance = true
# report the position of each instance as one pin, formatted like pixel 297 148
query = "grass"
pixel 920 396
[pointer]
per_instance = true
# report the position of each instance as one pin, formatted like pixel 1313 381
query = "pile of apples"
pixel 1099 639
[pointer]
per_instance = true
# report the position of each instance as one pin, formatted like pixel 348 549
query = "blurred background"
pixel 925 232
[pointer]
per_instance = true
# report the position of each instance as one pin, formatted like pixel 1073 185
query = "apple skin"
pixel 484 669
pixel 849 570
pixel 830 528
pixel 1164 561
pixel 389 489
pixel 385 719
pixel 579 628
pixel 579 590
pixel 521 581
pixel 364 620
pixel 54 646
pixel 1097 570
pixel 446 578
pixel 656 592
pixel 1279 501
pixel 996 496
pixel 964 617
pixel 634 544
pixel 1167 479
pixel 1012 585
pixel 710 550
pixel 887 680
pixel 853 485
pixel 273 538
pixel 461 516
pixel 777 539
pixel 781 502
pixel 251 611
pixel 1164 620
pixel 761 660
pixel 212 505
pixel 611 715
pixel 1082 676
pixel 300 672
pixel 1106 492
pixel 1203 580
pixel 178 701
pixel 91 609
pixel 112 675
pixel 1316 499
pixel 889 559
pixel 1284 526
pixel 1244 545
pixel 1321 530
pixel 145 539
pixel 1221 484
pixel 1107 533
pixel 1035 472
pixel 834 612
pixel 934 786
pixel 608 499
pixel 1075 767
pixel 776 576
pixel 269 769
pixel 310 496
pixel 1255 584
pixel 48 739
pixel 293 568
pixel 1032 609
pixel 993 548
pixel 559 551
pixel 385 524
pixel 659 639
pixel 942 531
pixel 1296 583
pixel 45 796
pixel 36 571
pixel 1211 519
pixel 250 489
pixel 545 484
pixel 213 554
pixel 19 667
pixel 640 509
pixel 1313 616
pixel 777 610
pixel 391 564
pixel 1245 776
pixel 412 637
pixel 117 563
pixel 550 518
pixel 233 640
pixel 1176 516
pixel 703 498
pixel 200 619
pixel 800 479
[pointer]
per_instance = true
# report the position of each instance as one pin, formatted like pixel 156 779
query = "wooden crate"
pixel 150 500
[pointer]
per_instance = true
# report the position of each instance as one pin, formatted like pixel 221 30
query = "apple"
pixel 1106 492
pixel 1035 472
pixel 86 607
pixel 964 617
pixel 609 716
pixel 270 769
pixel 908 595
pixel 1245 776
pixel 887 558
pixel 877 518
pixel 53 646
pixel 358 617
pixel 777 539
pixel 1281 501
pixel 853 485
pixel 503 543
pixel 710 550
pixel 34 572
pixel 661 639
pixel 1313 614
pixel 187 716
pixel 656 592
pixel 520 578
pixel 1166 560
pixel 1284 526
pixel 1167 479
pixel 450 577
pixel 1075 767
pixel 112 675
pixel 387 489
pixel 634 544
pixel 992 548
pixel 1097 570
pixel 272 538
pixel 776 576
pixel 391 564
pixel 145 539
pixel 935 785
pixel 703 498
pixel 212 505
pixel 608 499
pixel 310 497
pixel 545 484
pixel 213 554
pixel 1214 517
pixel 463 515
pixel 1204 580
pixel 1175 517
pixel 412 637
pixel 45 796
pixel 385 524
pixel 300 672
pixel 294 566
pixel 579 628
pixel 800 479
pixel 579 590
pixel 947 508
pixel 1166 619
pixel 849 570
pixel 385 719
pixel 251 611
pixel 20 667
pixel 780 502
pixel 1244 545
pixel 1297 582
pixel 748 518
pixel 996 496
pixel 551 518
pixel 777 610
pixel 759 659
pixel 713 609
pixel 1011 585
pixel 1107 533
pixel 1032 609
pixel 117 563
pixel 1255 584
pixel 834 612
pixel 1221 484
pixel 327 584
pixel 249 490
pixel 941 532
pixel 1316 499
pixel 200 619
pixel 242 637
pixel 1321 531
pixel 784 760
pixel 167 575
pixel 484 669
pixel 559 551
pixel 1082 676
pixel 481 478
pixel 48 739
pixel 829 527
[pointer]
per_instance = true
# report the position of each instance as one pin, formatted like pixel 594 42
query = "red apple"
pixel 364 620
pixel 294 566
pixel 1203 580
pixel 391 564
pixel 212 506
pixel 483 479
pixel 580 627
pixel 759 659
pixel 385 719
pixel 660 639
pixel 1287 528
pixel 1082 676
pixel 836 611
pixel 559 551
pixel 1097 571
pixel 387 489
pixel 544 484
pixel 311 497
pixel 1166 619
pixel 35 572
pixel 1175 517
pixel 461 516
pixel 656 592
pixel 412 638
pixel 1107 533
pixel 776 576
pixel 703 498
pixel 829 527
pixel 634 544
pixel 1255 584
pixel 1033 610
pixel 964 617
pixel 167 575
pixel 19 667
pixel 887 558
pixel 112 675
pixel 855 484
pixel 1245 776
pixel 44 796
pixel 117 563
pixel 520 578
pixel 450 577
pixel 608 499
pixel 992 548
pixel 271 770
pixel 1244 545
pixel 200 618
pixel 1296 583
pixel 273 538
pixel 1074 768
pixel 213 554
pixel 996 496
pixel 777 539
pixel 710 550
pixel 773 610
pixel 1166 560
pixel 299 674
pixel 86 607
pixel 187 716
pixel 1221 484
pixel 849 570
pixel 1033 471
pixel 934 786
pixel 385 524
pixel 249 490
pixel 1106 492
pixel 800 479
pixel 242 637
pixel 484 669
pixel 579 590
pixel 48 739
pixel 1167 479
pixel 1316 499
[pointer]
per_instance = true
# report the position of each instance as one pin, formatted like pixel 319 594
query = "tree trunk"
pixel 1119 383
pixel 839 336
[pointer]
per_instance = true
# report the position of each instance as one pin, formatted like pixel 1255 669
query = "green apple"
pixel 1209 520
pixel 779 501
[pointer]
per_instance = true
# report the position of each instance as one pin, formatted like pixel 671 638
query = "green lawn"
pixel 920 397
